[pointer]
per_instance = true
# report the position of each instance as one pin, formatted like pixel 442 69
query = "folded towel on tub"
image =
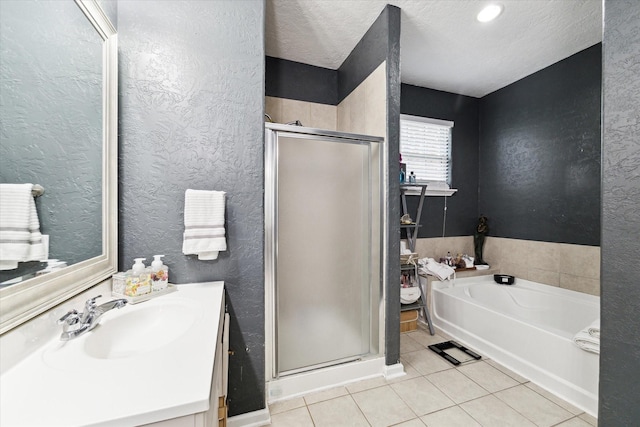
pixel 431 267
pixel 20 238
pixel 204 233
pixel 594 329
pixel 587 342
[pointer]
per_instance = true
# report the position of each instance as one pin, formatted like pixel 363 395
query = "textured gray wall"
pixel 392 292
pixel 620 298
pixel 373 48
pixel 540 153
pixel 51 119
pixel 381 43
pixel 191 116
pixel 295 80
pixel 462 217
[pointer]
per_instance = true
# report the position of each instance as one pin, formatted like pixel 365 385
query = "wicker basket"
pixel 411 258
pixel 408 320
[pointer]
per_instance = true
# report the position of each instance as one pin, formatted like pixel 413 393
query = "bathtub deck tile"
pixel 488 377
pixel 533 406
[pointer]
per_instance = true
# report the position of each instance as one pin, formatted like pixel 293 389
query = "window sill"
pixel 415 190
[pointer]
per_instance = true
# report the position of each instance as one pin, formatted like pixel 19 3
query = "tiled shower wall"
pixel 310 114
pixel 362 112
pixel 574 267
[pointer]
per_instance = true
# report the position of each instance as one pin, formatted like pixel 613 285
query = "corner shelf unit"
pixel 411 232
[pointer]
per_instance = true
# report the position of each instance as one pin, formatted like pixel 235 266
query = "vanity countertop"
pixel 159 368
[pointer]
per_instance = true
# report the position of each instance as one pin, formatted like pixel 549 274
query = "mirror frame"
pixel 22 301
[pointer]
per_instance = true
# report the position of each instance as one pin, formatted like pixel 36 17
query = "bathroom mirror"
pixel 86 116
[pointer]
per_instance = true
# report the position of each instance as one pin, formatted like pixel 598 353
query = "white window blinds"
pixel 425 145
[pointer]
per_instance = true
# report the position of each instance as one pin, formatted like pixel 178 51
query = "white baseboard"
pixel 394 371
pixel 322 379
pixel 250 419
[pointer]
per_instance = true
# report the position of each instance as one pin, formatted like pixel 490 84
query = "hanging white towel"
pixel 20 238
pixel 594 329
pixel 204 233
pixel 587 342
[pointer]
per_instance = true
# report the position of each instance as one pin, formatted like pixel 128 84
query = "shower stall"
pixel 323 249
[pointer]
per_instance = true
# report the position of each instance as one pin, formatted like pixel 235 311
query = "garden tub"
pixel 527 327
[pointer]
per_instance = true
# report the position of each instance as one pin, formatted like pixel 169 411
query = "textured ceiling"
pixel 443 46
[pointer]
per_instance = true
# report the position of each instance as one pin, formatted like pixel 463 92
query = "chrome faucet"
pixel 88 319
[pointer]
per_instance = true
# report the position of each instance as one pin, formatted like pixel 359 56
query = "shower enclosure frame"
pixel 272 131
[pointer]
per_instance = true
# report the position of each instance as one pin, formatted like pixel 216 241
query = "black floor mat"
pixel 441 348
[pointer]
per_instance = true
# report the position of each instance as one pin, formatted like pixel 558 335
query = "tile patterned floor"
pixel 434 393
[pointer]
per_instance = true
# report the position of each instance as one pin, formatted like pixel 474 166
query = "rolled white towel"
pixel 587 342
pixel 594 329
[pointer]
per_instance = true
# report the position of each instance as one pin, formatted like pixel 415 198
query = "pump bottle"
pixel 138 281
pixel 159 274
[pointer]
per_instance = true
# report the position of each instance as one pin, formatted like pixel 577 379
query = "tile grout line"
pixel 359 408
pixel 508 388
pixel 455 404
pixel 540 394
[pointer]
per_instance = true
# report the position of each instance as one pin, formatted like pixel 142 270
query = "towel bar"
pixel 37 190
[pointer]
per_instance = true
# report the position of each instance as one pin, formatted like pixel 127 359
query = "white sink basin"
pixel 139 331
pixel 142 364
pixel 131 331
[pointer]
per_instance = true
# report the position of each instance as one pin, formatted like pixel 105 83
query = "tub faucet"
pixel 88 319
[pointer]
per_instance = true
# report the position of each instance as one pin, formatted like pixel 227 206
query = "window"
pixel 425 145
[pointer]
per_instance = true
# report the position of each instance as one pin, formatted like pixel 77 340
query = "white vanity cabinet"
pixel 216 415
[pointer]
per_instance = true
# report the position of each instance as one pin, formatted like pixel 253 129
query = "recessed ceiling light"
pixel 489 13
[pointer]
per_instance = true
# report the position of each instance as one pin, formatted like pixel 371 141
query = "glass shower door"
pixel 323 251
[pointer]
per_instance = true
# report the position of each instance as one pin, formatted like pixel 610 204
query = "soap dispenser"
pixel 138 266
pixel 138 280
pixel 159 274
